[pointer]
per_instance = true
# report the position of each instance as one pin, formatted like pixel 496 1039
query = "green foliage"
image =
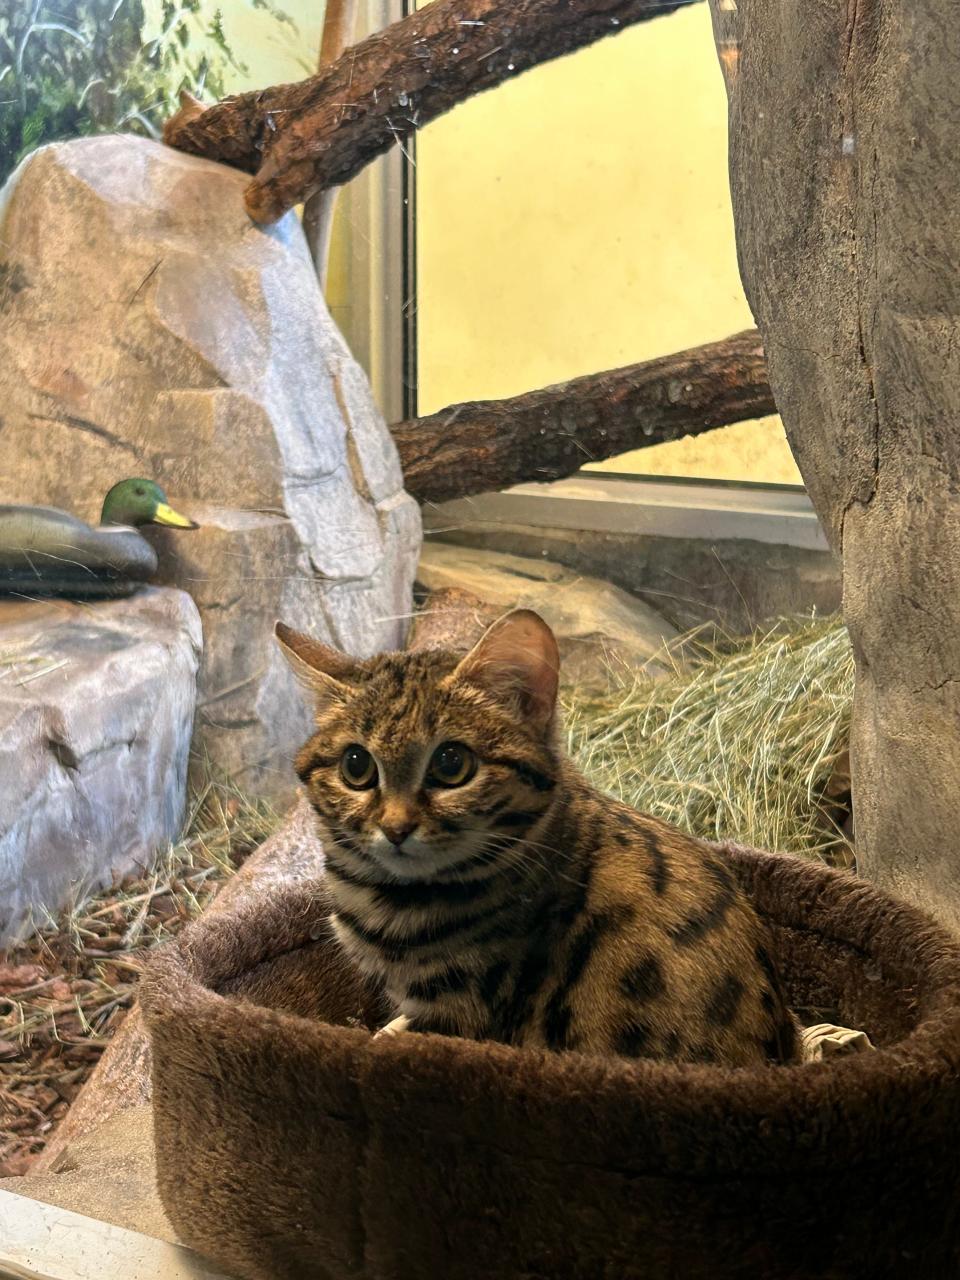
pixel 75 67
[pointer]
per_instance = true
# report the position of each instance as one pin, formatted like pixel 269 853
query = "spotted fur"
pixel 522 905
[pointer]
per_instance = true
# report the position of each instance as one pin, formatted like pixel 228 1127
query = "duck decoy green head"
pixel 137 502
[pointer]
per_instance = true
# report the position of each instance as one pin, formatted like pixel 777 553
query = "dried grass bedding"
pixel 745 740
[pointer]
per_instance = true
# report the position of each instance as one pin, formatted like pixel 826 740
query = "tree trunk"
pixel 845 172
pixel 544 435
pixel 300 138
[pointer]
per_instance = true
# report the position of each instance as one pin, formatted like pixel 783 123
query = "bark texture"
pixel 321 132
pixel 845 172
pixel 545 435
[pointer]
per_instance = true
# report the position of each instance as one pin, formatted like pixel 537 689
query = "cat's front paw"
pixel 394 1028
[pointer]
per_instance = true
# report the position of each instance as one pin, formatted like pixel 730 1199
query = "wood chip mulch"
pixel 65 989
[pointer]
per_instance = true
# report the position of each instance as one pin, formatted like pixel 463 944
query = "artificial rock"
pixel 96 711
pixel 147 327
pixel 601 629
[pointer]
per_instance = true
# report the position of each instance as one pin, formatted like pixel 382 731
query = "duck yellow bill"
pixel 167 515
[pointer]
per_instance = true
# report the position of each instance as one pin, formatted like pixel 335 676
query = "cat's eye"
pixel 358 767
pixel 452 764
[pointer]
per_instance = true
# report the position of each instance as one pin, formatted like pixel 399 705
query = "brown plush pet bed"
pixel 292 1146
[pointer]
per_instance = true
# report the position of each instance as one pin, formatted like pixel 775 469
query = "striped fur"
pixel 523 906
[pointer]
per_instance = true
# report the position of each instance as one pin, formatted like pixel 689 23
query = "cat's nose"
pixel 397 832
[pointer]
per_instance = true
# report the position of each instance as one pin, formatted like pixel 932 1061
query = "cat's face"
pixel 422 763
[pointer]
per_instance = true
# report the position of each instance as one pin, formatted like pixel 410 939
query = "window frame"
pixel 382 332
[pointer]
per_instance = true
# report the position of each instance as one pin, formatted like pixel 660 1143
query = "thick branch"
pixel 319 133
pixel 545 435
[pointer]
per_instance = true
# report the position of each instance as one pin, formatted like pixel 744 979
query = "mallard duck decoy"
pixel 46 552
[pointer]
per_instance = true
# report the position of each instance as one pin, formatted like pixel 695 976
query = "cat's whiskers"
pixel 547 858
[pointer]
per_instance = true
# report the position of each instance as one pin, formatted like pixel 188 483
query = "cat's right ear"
pixel 518 659
pixel 323 671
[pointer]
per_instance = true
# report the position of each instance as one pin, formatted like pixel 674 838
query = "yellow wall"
pixel 578 218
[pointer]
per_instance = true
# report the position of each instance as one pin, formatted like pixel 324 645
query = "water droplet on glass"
pixel 456 51
pixel 511 67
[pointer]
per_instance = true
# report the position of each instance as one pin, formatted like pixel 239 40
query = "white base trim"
pixel 41 1242
pixel 600 502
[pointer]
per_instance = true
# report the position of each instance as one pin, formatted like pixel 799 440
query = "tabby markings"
pixel 699 923
pixel 644 982
pixel 633 1040
pixel 526 773
pixel 724 1001
pixel 659 872
pixel 557 1015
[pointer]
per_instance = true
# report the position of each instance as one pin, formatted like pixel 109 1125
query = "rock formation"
pixel 146 327
pixel 96 711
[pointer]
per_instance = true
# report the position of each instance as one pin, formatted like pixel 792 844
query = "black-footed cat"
pixel 497 894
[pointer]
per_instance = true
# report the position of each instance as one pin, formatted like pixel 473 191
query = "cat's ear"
pixel 517 659
pixel 324 671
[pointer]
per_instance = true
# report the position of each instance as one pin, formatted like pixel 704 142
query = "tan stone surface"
pixel 600 628
pixel 108 1174
pixel 147 327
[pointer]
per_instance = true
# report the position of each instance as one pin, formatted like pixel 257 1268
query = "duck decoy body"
pixel 46 552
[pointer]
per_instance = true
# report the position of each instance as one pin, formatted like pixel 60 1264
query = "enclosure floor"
pixel 66 989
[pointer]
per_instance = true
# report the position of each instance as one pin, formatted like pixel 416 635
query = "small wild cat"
pixel 495 892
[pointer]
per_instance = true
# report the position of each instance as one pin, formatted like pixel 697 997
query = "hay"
pixel 65 989
pixel 740 743
pixel 21 662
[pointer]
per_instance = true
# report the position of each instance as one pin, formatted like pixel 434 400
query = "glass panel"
pixel 74 67
pixel 577 219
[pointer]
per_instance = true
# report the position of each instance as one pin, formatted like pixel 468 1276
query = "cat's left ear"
pixel 517 659
pixel 324 671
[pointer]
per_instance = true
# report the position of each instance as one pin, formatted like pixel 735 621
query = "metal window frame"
pixel 691 507
pixel 380 324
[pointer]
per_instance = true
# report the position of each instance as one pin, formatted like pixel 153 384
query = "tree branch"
pixel 299 138
pixel 492 444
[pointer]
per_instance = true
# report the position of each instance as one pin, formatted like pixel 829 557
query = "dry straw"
pixel 740 743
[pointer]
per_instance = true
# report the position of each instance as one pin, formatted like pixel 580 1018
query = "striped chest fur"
pixel 497 895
